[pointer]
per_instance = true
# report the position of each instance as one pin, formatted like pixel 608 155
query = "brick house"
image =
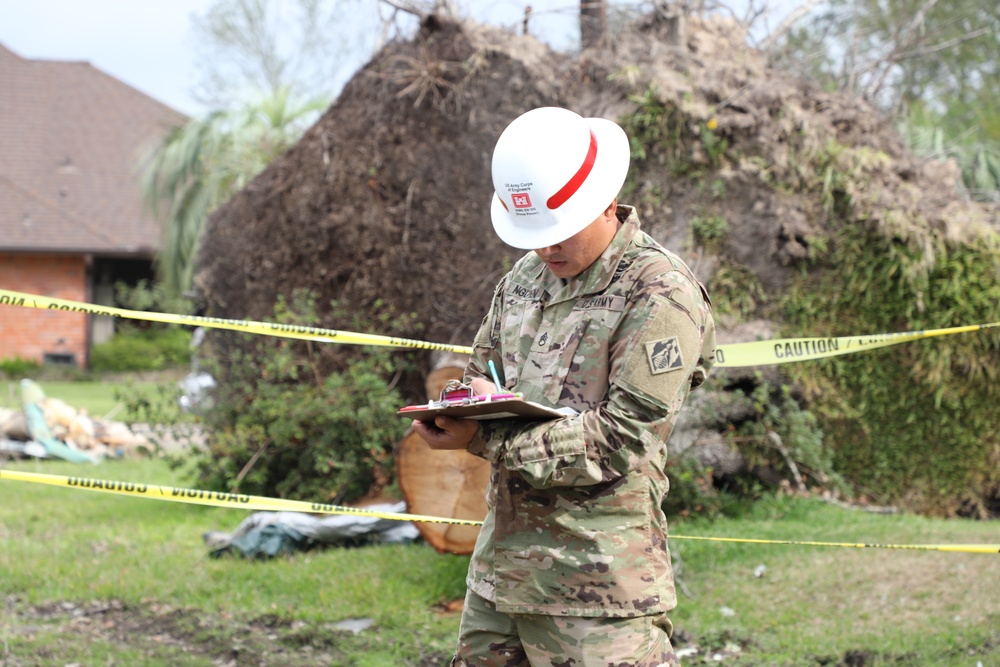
pixel 72 222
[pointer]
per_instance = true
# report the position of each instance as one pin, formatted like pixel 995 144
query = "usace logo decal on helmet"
pixel 575 165
pixel 521 200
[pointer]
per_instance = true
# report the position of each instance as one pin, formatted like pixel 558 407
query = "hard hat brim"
pixel 602 185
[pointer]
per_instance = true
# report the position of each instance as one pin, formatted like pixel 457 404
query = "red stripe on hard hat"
pixel 568 190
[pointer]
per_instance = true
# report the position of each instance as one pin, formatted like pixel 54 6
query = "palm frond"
pixel 199 166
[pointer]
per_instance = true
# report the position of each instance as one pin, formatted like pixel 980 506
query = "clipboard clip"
pixel 456 391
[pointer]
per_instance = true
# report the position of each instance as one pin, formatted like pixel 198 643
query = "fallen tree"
pixel 800 209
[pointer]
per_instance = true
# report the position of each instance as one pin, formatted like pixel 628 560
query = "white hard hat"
pixel 554 172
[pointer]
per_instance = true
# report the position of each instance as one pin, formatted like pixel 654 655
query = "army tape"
pixel 733 355
pixel 240 501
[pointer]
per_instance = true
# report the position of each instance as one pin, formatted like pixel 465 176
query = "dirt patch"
pixel 161 633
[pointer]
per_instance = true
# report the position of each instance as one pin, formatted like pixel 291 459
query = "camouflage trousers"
pixel 488 638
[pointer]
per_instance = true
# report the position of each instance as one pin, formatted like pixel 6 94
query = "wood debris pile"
pixel 78 430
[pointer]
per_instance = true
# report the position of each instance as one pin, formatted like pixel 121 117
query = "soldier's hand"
pixel 446 432
pixel 481 387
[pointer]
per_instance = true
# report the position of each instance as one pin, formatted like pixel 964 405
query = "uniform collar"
pixel 596 278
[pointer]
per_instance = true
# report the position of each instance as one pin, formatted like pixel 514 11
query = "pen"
pixel 493 372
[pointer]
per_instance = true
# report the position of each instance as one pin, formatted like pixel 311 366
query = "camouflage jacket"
pixel 575 526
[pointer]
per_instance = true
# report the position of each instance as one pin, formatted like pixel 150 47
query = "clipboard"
pixel 458 400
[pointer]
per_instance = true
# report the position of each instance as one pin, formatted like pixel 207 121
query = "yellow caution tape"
pixel 240 501
pixel 783 351
pixel 734 355
pixel 299 332
pixel 963 548
pixel 216 498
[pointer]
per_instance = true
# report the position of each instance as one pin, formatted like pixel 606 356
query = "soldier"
pixel 571 566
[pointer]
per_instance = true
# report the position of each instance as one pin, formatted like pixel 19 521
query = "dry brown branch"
pixel 793 17
pixel 407 7
pixel 780 446
pixel 906 47
pixel 947 44
pixel 424 76
pixel 250 464
pixel 422 9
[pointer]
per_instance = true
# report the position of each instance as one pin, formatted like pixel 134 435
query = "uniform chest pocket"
pixel 568 364
pixel 548 361
pixel 520 324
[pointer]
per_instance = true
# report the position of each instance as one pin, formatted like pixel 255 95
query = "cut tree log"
pixel 450 484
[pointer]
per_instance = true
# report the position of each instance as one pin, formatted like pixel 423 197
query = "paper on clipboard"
pixel 459 401
pixel 501 408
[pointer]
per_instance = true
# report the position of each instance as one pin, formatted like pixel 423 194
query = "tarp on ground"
pixel 270 534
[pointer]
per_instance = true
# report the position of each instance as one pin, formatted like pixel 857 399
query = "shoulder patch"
pixel 668 341
pixel 664 355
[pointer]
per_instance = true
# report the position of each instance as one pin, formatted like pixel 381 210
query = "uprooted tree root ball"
pixel 800 209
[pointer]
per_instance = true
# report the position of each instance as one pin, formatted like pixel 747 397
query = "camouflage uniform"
pixel 575 526
pixel 491 639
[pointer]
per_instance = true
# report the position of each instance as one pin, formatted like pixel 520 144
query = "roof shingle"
pixel 71 137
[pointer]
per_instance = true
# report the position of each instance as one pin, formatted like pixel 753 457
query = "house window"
pixel 60 358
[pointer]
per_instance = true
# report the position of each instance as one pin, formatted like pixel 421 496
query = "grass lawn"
pixel 797 603
pixel 142 562
pixel 95 578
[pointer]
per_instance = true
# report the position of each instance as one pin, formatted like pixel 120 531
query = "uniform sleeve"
pixel 664 345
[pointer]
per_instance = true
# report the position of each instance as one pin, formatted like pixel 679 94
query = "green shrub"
pixel 709 229
pixel 151 297
pixel 17 367
pixel 280 428
pixel 736 291
pixel 658 134
pixel 692 490
pixel 787 439
pixel 152 349
pixel 913 424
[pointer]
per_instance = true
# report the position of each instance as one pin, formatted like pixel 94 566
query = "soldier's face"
pixel 575 255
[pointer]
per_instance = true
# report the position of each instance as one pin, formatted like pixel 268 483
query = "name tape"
pixel 241 501
pixel 733 355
